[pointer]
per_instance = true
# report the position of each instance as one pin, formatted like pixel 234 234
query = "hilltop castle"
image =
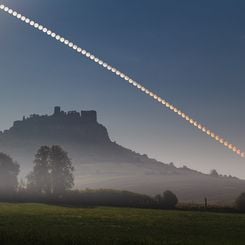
pixel 84 116
pixel 75 126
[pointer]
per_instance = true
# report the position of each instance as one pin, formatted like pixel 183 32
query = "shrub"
pixel 169 200
pixel 240 202
pixel 166 201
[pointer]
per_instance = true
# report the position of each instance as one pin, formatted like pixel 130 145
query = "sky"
pixel 191 53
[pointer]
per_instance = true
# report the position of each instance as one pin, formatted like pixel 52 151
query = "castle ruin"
pixel 84 116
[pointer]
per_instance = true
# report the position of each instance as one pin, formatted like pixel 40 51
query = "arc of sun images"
pixel 126 78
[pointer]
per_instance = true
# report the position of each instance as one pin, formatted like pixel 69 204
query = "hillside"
pixel 101 163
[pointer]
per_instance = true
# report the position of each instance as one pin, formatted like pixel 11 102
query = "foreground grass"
pixel 46 224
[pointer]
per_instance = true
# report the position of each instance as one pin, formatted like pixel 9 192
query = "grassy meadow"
pixel 48 224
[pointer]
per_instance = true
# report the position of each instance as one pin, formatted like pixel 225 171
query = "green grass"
pixel 47 224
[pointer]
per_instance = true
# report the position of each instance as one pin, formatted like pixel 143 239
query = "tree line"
pixel 52 180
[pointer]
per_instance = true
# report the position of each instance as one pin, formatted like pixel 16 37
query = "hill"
pixel 101 163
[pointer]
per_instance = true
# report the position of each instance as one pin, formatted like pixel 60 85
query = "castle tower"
pixel 57 110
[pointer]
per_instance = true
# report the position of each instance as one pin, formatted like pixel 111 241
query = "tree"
pixel 214 173
pixel 52 172
pixel 60 170
pixel 169 199
pixel 240 202
pixel 39 179
pixel 9 171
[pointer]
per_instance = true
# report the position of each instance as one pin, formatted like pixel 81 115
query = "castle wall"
pixel 89 116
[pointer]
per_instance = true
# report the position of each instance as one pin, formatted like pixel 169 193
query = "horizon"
pixel 153 131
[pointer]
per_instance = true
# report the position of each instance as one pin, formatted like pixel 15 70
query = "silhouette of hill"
pixel 79 133
pixel 101 163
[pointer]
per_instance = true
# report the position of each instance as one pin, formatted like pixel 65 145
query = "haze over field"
pixel 101 163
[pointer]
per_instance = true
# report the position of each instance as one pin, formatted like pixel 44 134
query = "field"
pixel 47 224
